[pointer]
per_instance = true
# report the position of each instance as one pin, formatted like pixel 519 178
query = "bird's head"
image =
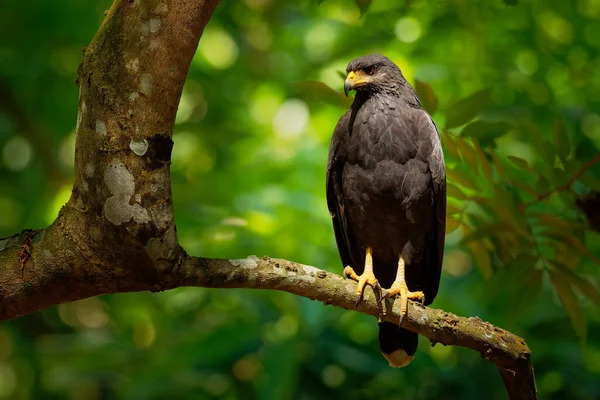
pixel 372 73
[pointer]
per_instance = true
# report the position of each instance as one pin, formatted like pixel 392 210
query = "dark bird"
pixel 386 192
pixel 589 204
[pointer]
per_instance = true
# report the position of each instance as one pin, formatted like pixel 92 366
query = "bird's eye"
pixel 370 70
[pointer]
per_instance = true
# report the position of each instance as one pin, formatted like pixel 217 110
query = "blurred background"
pixel 515 89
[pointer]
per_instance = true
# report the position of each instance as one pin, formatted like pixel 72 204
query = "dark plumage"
pixel 386 188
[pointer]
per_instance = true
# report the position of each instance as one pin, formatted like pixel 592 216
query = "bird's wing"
pixel 345 239
pixel 437 170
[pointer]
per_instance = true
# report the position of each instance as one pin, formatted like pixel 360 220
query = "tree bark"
pixel 117 232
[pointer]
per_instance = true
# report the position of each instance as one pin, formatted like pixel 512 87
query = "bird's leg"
pixel 399 287
pixel 367 277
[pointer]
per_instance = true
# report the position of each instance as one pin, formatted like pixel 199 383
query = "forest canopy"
pixel 515 93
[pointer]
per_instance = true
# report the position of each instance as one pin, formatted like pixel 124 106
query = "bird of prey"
pixel 386 192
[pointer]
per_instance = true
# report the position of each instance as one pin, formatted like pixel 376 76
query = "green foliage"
pixel 515 90
pixel 464 110
pixel 561 139
pixel 363 5
pixel 485 132
pixel 427 96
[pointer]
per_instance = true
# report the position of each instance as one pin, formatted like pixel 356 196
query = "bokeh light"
pixel 291 119
pixel 16 154
pixel 218 48
pixel 407 29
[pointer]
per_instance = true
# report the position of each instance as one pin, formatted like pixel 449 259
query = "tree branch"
pixel 117 232
pixel 508 351
pixel 20 296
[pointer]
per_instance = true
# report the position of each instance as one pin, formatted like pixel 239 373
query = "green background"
pixel 263 95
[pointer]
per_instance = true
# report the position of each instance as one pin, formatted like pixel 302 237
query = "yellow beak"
pixel 355 79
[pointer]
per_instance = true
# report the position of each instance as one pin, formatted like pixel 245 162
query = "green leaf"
pixel 363 6
pixel 468 153
pixel 485 132
pixel 568 198
pixel 565 253
pixel 525 285
pixel 451 224
pixel 565 231
pixel 511 2
pixel 544 148
pixel 572 167
pixel 559 177
pixel 561 139
pixel 522 261
pixel 562 235
pixel 524 187
pixel 515 270
pixel 586 287
pixel 455 192
pixel 457 176
pixel 449 145
pixel 464 110
pixel 542 186
pixel 452 209
pixel 482 258
pixel 485 163
pixel 322 92
pixel 427 96
pixel 494 229
pixel 570 301
pixel 590 180
pixel 504 208
pixel 498 163
pixel 519 162
pixel 548 152
pixel 561 225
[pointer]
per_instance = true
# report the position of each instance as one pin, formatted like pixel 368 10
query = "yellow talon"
pixel 400 288
pixel 366 278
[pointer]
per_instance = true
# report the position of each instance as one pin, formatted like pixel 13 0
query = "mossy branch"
pixel 49 283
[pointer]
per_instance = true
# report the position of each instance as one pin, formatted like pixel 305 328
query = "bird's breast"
pixel 379 135
pixel 385 168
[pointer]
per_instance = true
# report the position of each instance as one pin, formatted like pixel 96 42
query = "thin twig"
pixel 567 185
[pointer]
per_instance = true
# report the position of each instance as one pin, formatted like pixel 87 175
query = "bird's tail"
pixel 397 344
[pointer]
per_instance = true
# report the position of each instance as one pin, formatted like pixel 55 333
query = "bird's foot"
pixel 367 278
pixel 400 288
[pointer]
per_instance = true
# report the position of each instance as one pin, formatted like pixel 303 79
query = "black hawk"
pixel 386 192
